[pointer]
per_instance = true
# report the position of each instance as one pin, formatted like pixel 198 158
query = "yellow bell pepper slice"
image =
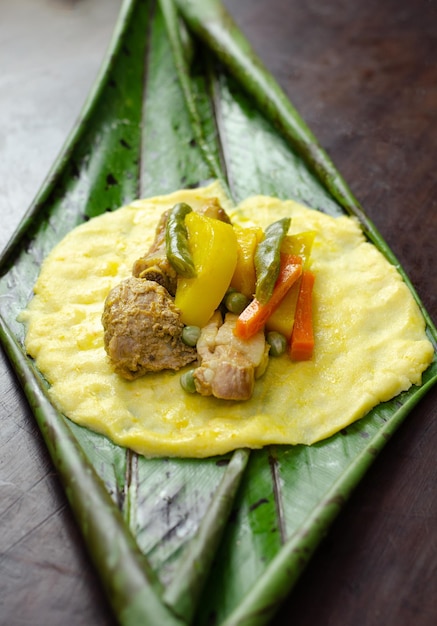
pixel 282 319
pixel 213 247
pixel 300 245
pixel 244 277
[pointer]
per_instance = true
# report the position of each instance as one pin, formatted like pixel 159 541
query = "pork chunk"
pixel 212 208
pixel 154 265
pixel 142 329
pixel 228 365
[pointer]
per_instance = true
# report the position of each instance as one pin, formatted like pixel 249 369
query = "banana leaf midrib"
pixel 219 171
pixel 183 593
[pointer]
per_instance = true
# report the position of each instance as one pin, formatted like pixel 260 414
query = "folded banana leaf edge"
pixel 181 99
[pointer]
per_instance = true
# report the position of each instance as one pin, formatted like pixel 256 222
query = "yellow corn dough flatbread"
pixel 369 336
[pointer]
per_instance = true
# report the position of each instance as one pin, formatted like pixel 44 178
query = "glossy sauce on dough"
pixel 369 335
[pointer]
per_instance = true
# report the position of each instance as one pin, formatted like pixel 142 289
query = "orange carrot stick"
pixel 302 337
pixel 255 315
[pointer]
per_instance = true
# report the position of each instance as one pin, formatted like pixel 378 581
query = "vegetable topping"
pixel 213 247
pixel 277 343
pixel 282 319
pixel 268 258
pixel 256 314
pixel 236 302
pixel 244 277
pixel 176 241
pixel 302 337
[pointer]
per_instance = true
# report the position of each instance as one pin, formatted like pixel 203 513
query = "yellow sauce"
pixel 369 333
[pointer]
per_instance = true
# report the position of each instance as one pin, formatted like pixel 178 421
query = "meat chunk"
pixel 213 208
pixel 142 329
pixel 229 365
pixel 154 265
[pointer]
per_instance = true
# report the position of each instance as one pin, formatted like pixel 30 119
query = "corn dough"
pixel 370 341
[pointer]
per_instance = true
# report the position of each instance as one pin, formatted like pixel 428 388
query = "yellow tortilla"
pixel 369 333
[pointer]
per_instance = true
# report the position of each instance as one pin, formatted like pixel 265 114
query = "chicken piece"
pixel 229 365
pixel 154 265
pixel 142 329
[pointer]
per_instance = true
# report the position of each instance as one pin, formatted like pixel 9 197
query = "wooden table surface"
pixel 364 77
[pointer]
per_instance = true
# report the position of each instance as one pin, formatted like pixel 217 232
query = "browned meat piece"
pixel 229 365
pixel 142 329
pixel 154 264
pixel 212 208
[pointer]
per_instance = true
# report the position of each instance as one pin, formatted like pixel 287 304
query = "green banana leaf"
pixel 180 100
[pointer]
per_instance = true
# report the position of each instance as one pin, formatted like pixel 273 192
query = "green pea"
pixel 190 335
pixel 236 302
pixel 267 258
pixel 187 381
pixel 176 241
pixel 278 343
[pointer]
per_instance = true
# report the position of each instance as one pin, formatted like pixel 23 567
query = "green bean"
pixel 277 342
pixel 176 241
pixel 187 381
pixel 236 302
pixel 268 258
pixel 190 335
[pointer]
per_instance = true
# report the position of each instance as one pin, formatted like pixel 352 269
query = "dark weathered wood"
pixel 364 76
